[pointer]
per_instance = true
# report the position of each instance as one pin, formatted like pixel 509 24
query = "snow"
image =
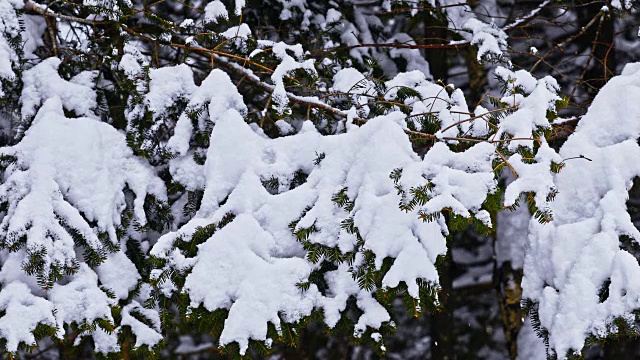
pixel 105 343
pixel 187 172
pixel 536 177
pixel 187 23
pixel 341 287
pixel 413 57
pixel 215 97
pixel 34 30
pixel 67 181
pixel 215 10
pixel 621 5
pixel 9 26
pixel 71 179
pixel 461 180
pixel 118 274
pixel 530 346
pixel 240 4
pixel 187 346
pixel 173 86
pixel 284 127
pixel 132 63
pixel 333 16
pixel 288 5
pixel 451 110
pixel 261 285
pixel 87 161
pixel 569 259
pixel 23 312
pixel 352 81
pixel 129 64
pixel 241 31
pixel 168 85
pixel 220 94
pixel 42 82
pixel 80 300
pixel 252 266
pixel 68 170
pixel 531 107
pixel 512 235
pixel 287 64
pixel 346 80
pixel 491 40
pixel 145 335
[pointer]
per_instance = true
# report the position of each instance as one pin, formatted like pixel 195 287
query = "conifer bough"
pixel 245 168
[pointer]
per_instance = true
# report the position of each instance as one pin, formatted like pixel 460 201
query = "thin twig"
pixel 507 162
pixel 35 8
pixel 568 40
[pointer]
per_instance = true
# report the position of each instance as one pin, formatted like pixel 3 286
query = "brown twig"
pixel 48 13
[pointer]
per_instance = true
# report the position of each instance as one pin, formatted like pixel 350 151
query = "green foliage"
pixel 164 41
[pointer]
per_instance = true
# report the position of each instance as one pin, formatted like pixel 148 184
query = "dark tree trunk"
pixel 442 342
pixel 435 32
pixel 509 290
pixel 598 40
pixel 477 77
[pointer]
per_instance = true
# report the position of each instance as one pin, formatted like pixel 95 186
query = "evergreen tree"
pixel 237 177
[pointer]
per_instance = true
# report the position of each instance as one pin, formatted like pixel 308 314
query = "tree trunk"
pixel 442 342
pixel 509 290
pixel 435 31
pixel 599 39
pixel 477 77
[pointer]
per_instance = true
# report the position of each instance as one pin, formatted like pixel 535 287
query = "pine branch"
pixel 525 19
pixel 268 88
pixel 48 13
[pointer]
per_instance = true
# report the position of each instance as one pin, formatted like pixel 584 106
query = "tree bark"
pixel 477 77
pixel 442 342
pixel 435 31
pixel 600 40
pixel 509 290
